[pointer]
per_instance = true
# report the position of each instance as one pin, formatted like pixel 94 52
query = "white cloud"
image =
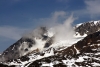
pixel 58 15
pixel 55 18
pixel 65 30
pixel 61 22
pixel 91 10
pixel 10 32
pixel 93 6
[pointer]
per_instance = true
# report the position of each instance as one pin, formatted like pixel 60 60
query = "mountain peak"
pixel 88 27
pixel 41 50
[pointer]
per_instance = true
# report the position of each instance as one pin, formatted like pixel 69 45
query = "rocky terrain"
pixel 84 53
pixel 88 27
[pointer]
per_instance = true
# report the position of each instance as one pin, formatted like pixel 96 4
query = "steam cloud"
pixel 64 31
pixel 60 24
pixel 41 36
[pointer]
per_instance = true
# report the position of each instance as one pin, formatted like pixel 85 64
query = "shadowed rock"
pixel 88 28
pixel 27 44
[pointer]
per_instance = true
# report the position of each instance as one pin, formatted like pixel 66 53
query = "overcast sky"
pixel 20 16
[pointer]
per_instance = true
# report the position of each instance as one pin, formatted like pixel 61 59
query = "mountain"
pixel 84 51
pixel 87 27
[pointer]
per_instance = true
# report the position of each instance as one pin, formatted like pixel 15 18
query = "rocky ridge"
pixel 85 52
pixel 87 27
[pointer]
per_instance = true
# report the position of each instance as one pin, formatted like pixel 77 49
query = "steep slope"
pixel 79 51
pixel 87 27
pixel 83 53
pixel 28 44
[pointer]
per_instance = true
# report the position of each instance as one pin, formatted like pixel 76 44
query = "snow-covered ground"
pixel 65 43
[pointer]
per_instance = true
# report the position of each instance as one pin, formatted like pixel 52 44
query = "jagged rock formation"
pixel 84 53
pixel 88 27
pixel 27 44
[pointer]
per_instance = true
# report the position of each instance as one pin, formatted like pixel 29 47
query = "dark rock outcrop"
pixel 88 49
pixel 88 27
pixel 89 46
pixel 85 53
pixel 2 65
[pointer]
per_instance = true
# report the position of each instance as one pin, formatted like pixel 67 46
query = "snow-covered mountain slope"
pixel 87 27
pixel 36 40
pixel 85 52
pixel 40 50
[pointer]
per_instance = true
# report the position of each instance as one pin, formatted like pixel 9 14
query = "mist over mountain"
pixel 62 45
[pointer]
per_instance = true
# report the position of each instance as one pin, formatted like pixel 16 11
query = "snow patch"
pixel 79 24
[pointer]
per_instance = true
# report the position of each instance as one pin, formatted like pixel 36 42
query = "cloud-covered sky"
pixel 19 16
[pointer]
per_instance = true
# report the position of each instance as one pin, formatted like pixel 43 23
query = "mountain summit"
pixel 40 49
pixel 87 27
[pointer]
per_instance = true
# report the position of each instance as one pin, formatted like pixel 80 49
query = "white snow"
pixel 77 51
pixel 79 36
pixel 13 47
pixel 67 43
pixel 98 44
pixel 32 58
pixel 79 24
pixel 51 32
pixel 95 22
pixel 80 59
pixel 69 62
pixel 95 64
pixel 40 44
pixel 47 65
pixel 97 53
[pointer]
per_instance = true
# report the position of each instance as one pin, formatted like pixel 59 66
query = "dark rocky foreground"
pixel 85 53
pixel 89 51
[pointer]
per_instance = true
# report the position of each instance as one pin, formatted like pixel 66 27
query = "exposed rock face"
pixel 84 53
pixel 88 27
pixel 2 65
pixel 27 44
